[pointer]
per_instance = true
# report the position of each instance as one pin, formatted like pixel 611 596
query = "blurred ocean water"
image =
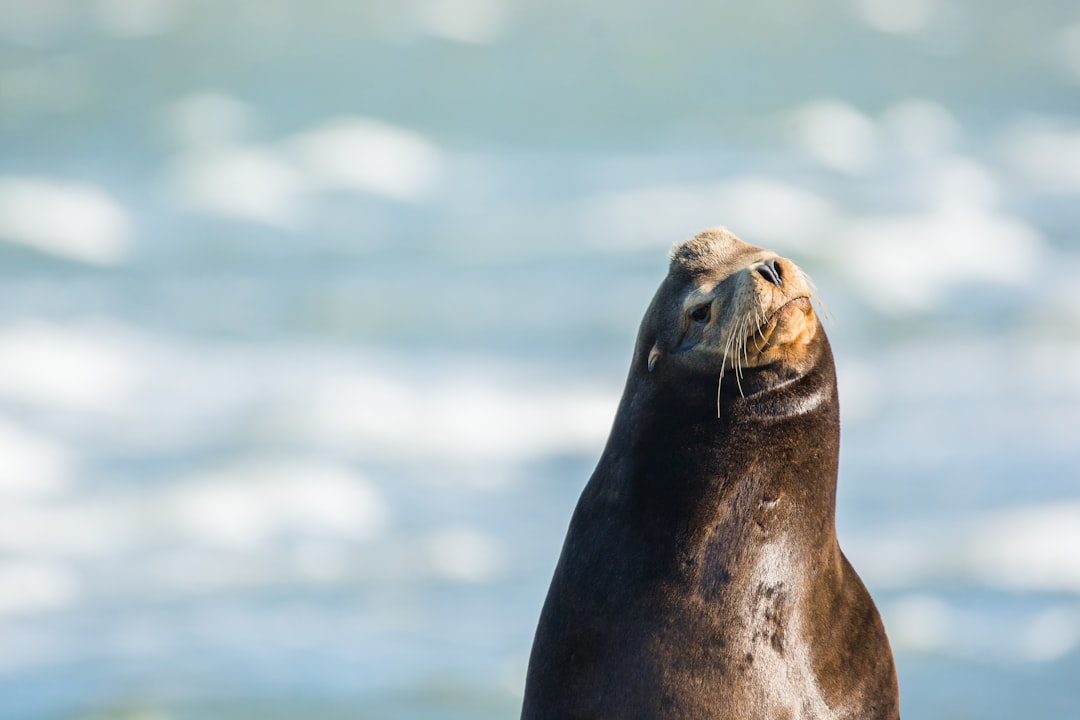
pixel 315 316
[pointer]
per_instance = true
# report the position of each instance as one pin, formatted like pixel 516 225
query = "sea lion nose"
pixel 770 270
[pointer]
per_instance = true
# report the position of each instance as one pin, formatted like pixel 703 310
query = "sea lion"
pixel 701 575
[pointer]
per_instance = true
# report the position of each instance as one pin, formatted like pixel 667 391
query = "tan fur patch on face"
pixel 793 327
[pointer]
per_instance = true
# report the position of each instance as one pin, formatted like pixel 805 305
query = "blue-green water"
pixel 314 317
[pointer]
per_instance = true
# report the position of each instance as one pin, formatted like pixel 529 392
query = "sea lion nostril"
pixel 770 270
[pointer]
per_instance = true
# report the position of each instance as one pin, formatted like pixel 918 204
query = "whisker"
pixel 740 349
pixel 718 386
pixel 746 340
pixel 723 367
pixel 823 309
pixel 762 319
pixel 737 347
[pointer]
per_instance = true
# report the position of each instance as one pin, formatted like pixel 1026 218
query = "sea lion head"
pixel 728 306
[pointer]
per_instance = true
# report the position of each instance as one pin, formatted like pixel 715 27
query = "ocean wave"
pixel 74 221
pixel 1028 548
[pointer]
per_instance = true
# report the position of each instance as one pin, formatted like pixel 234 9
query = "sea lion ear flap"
pixel 654 355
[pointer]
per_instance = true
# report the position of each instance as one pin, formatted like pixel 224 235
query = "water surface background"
pixel 314 317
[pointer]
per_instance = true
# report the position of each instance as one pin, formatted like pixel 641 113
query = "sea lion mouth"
pixel 764 331
pixel 739 343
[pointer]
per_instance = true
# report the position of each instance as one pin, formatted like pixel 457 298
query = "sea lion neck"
pixel 678 462
pixel 778 391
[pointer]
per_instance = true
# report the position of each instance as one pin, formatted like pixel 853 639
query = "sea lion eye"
pixel 700 313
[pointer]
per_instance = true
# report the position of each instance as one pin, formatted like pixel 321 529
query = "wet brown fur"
pixel 701 575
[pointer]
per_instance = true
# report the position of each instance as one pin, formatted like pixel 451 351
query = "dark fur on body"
pixel 701 575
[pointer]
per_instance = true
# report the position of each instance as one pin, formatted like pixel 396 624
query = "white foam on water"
pixel 247 182
pixel 637 218
pixel 1029 548
pixel 67 528
pixel 136 18
pixel 1051 634
pixel 896 17
pixel 209 119
pixel 370 156
pixel 462 418
pixel 981 632
pixel 32 465
pixel 920 127
pixel 970 370
pixel 31 587
pixel 192 394
pixel 919 621
pixel 272 184
pixel 264 521
pixel 959 183
pixel 468 21
pixel 896 560
pixel 1054 367
pixel 860 386
pixel 163 394
pixel 465 554
pixel 321 561
pixel 1046 153
pixel 157 393
pixel 191 569
pixel 75 221
pixel 512 672
pixel 907 263
pixel 760 209
pixel 766 210
pixel 837 135
pixel 247 507
pixel 86 367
